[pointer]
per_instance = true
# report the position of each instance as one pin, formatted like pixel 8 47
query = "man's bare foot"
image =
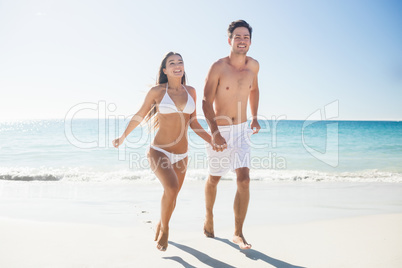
pixel 209 228
pixel 158 228
pixel 162 239
pixel 241 241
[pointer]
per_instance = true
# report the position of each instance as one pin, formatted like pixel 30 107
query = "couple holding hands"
pixel 171 105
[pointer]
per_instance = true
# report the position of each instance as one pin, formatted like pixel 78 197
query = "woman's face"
pixel 174 66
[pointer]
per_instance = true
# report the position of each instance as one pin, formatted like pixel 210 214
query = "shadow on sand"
pixel 202 257
pixel 212 262
pixel 181 261
pixel 257 255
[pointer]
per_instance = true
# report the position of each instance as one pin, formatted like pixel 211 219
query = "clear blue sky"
pixel 57 54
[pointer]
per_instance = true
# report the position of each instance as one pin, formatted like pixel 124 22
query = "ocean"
pixel 284 150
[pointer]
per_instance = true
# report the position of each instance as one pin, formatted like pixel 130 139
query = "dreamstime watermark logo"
pixel 109 126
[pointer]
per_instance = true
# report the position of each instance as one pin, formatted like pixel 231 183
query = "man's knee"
pixel 243 182
pixel 214 180
pixel 243 177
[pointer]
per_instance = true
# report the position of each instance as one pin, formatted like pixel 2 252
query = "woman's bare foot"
pixel 162 239
pixel 158 228
pixel 209 228
pixel 241 241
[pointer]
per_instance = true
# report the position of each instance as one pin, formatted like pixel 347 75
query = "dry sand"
pixel 288 224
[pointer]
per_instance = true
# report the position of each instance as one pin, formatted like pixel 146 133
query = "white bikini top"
pixel 167 106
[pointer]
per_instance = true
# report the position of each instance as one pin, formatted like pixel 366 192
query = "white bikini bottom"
pixel 174 158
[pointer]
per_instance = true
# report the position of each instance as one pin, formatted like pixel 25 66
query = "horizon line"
pixel 200 119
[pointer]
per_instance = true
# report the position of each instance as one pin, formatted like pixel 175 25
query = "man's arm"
pixel 254 100
pixel 211 85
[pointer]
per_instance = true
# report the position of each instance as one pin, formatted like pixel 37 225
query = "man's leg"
pixel 240 206
pixel 210 196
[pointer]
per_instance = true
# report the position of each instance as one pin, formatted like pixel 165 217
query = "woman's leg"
pixel 163 169
pixel 180 169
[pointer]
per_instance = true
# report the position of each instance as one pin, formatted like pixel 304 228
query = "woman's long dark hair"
pixel 161 79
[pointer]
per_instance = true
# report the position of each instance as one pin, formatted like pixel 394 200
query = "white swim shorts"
pixel 237 154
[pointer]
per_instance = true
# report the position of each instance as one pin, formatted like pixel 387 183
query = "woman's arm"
pixel 199 130
pixel 194 124
pixel 139 116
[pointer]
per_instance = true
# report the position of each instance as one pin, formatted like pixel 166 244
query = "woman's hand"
pixel 117 142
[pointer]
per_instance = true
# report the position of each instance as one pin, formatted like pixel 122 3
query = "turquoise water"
pixel 283 150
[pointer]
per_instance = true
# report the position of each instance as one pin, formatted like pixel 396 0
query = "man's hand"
pixel 255 126
pixel 218 142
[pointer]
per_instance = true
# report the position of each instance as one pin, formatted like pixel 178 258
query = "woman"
pixel 172 106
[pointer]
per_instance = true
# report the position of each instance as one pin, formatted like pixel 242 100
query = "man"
pixel 230 83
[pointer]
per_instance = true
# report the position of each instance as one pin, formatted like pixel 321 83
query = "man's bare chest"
pixel 236 80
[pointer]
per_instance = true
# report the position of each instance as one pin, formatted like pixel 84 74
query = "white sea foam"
pixel 85 174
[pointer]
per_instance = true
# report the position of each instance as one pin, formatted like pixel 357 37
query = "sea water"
pixel 283 150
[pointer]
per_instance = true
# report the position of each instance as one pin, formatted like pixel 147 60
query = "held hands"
pixel 255 126
pixel 117 142
pixel 218 142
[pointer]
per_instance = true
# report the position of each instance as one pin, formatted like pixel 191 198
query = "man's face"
pixel 240 41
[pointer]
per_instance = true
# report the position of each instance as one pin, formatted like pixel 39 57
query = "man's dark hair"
pixel 236 24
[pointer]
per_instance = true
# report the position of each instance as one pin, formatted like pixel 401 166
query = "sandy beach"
pixel 292 224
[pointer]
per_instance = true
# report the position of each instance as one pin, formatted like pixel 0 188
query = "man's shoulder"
pixel 221 63
pixel 253 63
